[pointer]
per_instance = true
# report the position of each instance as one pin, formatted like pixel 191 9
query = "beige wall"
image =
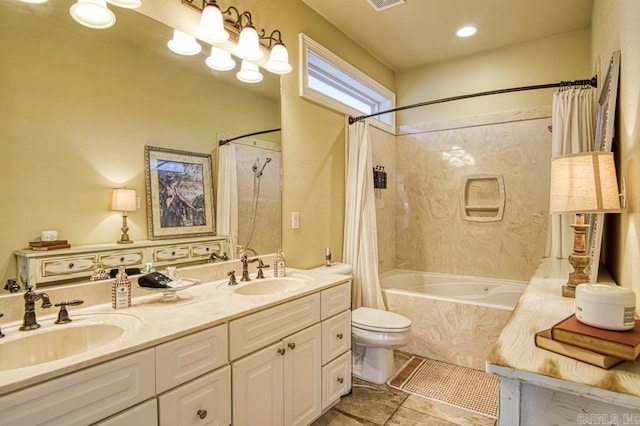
pixel 549 60
pixel 615 27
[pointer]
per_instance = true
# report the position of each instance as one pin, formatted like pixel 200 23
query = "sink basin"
pixel 54 342
pixel 270 286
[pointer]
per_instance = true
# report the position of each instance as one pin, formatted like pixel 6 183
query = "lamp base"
pixel 124 238
pixel 579 259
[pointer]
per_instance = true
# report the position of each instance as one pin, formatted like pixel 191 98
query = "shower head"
pixel 266 161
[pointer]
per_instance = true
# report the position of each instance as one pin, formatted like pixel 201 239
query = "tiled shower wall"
pixel 419 216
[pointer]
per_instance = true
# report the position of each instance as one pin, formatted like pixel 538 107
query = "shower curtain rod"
pixel 262 132
pixel 592 82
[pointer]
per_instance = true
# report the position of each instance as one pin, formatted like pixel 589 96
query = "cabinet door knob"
pixel 71 265
pixel 291 345
pixel 339 336
pixel 282 351
pixel 202 413
pixel 340 380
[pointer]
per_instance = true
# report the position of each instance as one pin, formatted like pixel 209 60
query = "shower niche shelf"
pixel 482 198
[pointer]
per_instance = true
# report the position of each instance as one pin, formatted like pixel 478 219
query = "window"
pixel 331 81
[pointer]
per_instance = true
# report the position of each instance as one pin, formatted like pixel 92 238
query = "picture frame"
pixel 179 193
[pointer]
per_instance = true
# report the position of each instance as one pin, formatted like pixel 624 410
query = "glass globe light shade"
pixel 279 60
pixel 92 14
pixel 211 28
pixel 183 44
pixel 248 46
pixel 127 4
pixel 220 60
pixel 249 73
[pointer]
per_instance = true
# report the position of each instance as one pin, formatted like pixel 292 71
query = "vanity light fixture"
pixel 582 183
pixel 92 14
pixel 183 44
pixel 466 31
pixel 34 1
pixel 124 200
pixel 220 60
pixel 249 72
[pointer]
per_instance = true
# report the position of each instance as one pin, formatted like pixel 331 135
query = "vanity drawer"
pixel 335 300
pixel 336 379
pixel 170 253
pixel 191 356
pixel 255 331
pixel 68 265
pixel 336 336
pixel 205 249
pixel 112 260
pixel 84 397
pixel 204 401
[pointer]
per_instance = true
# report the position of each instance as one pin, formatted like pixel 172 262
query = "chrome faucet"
pixel 30 298
pixel 245 266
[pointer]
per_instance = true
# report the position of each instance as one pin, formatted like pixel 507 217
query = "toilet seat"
pixel 379 321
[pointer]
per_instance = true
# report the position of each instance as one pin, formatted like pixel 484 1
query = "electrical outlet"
pixel 295 220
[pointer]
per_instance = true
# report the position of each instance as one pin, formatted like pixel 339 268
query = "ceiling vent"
pixel 380 5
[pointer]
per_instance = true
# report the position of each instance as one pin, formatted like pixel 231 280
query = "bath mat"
pixel 461 387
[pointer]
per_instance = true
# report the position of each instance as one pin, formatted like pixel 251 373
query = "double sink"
pixel 93 332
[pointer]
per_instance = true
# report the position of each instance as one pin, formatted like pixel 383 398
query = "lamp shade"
pixel 584 183
pixel 124 200
pixel 249 73
pixel 279 60
pixel 220 60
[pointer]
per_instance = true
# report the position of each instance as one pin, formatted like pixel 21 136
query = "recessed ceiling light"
pixel 467 31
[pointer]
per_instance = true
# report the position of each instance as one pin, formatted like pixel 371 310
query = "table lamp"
pixel 582 183
pixel 124 200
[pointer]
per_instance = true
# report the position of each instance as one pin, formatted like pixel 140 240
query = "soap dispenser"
pixel 279 268
pixel 121 291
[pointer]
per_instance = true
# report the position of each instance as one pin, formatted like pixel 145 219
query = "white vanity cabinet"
pixel 193 379
pixel 83 397
pixel 281 356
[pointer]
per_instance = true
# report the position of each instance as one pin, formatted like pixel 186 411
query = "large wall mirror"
pixel 78 106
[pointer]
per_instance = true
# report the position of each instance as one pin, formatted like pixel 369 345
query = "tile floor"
pixel 380 405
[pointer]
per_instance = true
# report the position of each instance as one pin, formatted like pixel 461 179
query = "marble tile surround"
pixel 419 219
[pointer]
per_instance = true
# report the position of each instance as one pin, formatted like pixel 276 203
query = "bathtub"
pixel 455 319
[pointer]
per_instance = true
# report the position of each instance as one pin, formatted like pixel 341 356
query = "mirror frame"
pixel 603 142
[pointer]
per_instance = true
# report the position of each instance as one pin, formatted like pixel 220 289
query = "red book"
pixel 54 247
pixel 47 243
pixel 621 344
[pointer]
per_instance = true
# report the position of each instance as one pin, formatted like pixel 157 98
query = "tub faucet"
pixel 245 266
pixel 30 297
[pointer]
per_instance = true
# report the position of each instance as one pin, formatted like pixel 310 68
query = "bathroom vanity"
pixel 266 352
pixel 541 387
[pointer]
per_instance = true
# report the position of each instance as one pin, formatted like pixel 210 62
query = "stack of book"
pixel 49 245
pixel 596 346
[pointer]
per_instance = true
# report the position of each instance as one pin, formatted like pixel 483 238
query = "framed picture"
pixel 179 193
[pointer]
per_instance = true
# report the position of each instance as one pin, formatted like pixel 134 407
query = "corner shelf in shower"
pixel 482 198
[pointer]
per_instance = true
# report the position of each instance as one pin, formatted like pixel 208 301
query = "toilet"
pixel 375 334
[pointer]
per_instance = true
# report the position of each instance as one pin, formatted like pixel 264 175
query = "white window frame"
pixel 309 45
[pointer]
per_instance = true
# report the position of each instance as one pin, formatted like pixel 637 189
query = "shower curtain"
pixel 573 120
pixel 227 199
pixel 360 247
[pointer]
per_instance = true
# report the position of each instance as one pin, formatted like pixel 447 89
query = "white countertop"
pixel 515 355
pixel 199 308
